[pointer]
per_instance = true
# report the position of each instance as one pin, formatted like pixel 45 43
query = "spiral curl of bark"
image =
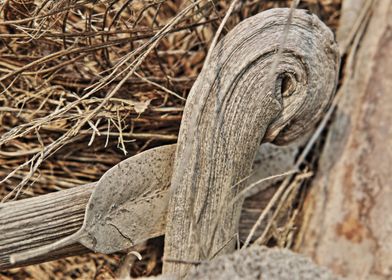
pixel 237 102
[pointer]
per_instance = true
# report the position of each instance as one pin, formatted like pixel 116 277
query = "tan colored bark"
pixel 348 225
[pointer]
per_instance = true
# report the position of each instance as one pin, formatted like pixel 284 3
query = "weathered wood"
pixel 34 222
pixel 238 101
pixel 294 94
pixel 41 220
pixel 115 218
pixel 347 218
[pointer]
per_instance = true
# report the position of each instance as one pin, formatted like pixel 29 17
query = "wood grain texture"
pixel 41 220
pixel 348 225
pixel 115 217
pixel 236 103
pixel 35 222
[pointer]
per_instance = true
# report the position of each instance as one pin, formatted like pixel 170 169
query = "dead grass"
pixel 84 84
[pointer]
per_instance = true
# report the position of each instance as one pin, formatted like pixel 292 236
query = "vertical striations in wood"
pixel 236 103
pixel 66 209
pixel 34 222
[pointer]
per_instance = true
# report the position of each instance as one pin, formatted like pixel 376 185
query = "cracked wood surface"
pixel 348 225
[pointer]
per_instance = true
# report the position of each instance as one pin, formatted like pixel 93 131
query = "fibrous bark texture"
pixel 42 220
pixel 348 225
pixel 257 87
pixel 238 101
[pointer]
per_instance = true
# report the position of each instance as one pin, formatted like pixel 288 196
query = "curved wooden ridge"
pixel 237 102
pixel 46 219
pixel 268 80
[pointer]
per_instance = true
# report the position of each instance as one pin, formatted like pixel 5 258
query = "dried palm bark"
pixel 347 225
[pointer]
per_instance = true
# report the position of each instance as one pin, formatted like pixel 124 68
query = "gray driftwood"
pixel 238 101
pixel 42 220
pixel 115 217
pixel 35 222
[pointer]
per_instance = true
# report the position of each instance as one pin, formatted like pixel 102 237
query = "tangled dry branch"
pixel 103 77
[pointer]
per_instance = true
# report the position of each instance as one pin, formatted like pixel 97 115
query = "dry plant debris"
pixel 84 84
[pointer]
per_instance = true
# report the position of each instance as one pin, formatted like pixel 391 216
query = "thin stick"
pixel 219 31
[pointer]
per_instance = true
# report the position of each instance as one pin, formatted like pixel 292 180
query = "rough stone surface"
pixel 261 263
